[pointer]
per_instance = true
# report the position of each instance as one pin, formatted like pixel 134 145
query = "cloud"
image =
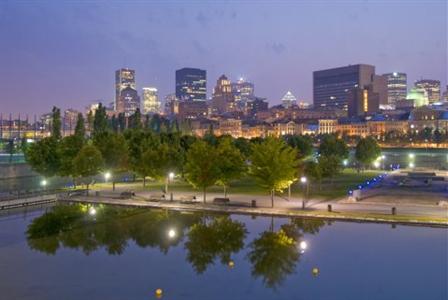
pixel 277 47
pixel 202 19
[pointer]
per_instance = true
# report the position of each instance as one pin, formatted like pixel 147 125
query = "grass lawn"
pixel 349 178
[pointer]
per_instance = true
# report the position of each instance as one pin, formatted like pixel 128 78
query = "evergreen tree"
pixel 80 129
pixel 100 120
pixel 56 123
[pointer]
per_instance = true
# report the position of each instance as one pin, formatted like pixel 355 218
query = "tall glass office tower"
pixel 191 84
pixel 396 87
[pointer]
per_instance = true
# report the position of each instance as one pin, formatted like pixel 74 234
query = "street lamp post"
pixel 304 182
pixel 44 183
pixel 168 179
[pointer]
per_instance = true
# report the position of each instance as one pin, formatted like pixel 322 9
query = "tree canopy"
pixel 274 165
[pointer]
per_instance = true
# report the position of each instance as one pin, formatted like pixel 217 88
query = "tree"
pixel 201 168
pixel 88 162
pixel 274 165
pixel 157 162
pixel 68 148
pixel 302 143
pixel 244 146
pixel 135 120
pixel 331 145
pixel 44 157
pixel 367 151
pixel 329 165
pixel 313 171
pixel 100 120
pixel 114 150
pixel 80 128
pixel 56 123
pixel 231 163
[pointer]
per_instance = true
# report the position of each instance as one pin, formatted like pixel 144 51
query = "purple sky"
pixel 65 54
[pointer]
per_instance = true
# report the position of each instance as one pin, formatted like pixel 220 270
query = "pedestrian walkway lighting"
pixel 43 183
pixel 107 176
pixel 171 233
pixel 168 179
pixel 411 155
pixel 303 179
pixel 345 162
pixel 376 164
pixel 411 165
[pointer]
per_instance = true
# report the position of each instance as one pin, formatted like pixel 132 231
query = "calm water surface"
pixel 69 253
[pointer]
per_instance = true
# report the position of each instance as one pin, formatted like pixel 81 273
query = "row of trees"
pixel 207 239
pixel 274 163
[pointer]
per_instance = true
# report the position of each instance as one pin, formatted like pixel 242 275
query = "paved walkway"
pixel 282 207
pixel 296 203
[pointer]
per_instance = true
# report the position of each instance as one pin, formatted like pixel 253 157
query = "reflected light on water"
pixel 171 233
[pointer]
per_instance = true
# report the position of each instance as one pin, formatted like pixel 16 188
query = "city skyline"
pixel 76 63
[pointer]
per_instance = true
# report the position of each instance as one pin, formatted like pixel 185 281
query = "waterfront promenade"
pixel 242 204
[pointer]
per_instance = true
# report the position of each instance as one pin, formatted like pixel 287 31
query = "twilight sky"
pixel 65 53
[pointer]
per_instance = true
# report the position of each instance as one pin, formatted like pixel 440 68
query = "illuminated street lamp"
pixel 411 155
pixel 304 182
pixel 168 179
pixel 411 165
pixel 107 176
pixel 345 162
pixel 44 183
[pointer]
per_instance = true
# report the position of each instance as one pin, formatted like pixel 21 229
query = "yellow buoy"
pixel 159 293
pixel 315 271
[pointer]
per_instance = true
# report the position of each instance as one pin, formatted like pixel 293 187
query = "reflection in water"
pixel 208 238
pixel 73 227
pixel 274 255
pixel 220 237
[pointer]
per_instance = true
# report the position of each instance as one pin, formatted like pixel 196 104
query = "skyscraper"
pixel 123 78
pixel 128 101
pixel 126 97
pixel 151 103
pixel 289 100
pixel 191 84
pixel 242 90
pixel 396 87
pixel 432 87
pixel 363 101
pixel 331 86
pixel 223 100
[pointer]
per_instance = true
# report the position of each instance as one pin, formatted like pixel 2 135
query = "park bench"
pixel 126 194
pixel 156 197
pixel 188 199
pixel 221 201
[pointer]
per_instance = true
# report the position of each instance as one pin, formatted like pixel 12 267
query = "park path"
pixel 241 204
